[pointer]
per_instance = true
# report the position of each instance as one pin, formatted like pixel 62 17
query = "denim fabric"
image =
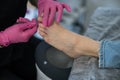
pixel 104 25
pixel 109 54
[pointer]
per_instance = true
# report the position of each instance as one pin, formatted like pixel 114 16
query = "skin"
pixel 71 43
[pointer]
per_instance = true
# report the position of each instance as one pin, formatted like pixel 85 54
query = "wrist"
pixel 4 41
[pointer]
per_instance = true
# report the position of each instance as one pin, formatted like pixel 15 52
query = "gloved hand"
pixel 20 32
pixel 49 8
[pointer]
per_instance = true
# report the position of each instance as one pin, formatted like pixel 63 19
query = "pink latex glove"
pixel 49 8
pixel 23 20
pixel 20 32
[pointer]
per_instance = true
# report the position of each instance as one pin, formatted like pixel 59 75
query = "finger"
pixel 40 19
pixel 30 32
pixel 45 16
pixel 67 7
pixel 51 16
pixel 28 25
pixel 60 12
pixel 40 11
pixel 22 20
pixel 35 21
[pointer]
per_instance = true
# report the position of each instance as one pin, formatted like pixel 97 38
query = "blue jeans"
pixel 109 54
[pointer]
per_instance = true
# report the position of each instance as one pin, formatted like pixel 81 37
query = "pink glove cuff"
pixel 4 41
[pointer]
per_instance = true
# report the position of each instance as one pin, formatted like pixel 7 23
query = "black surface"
pixel 10 11
pixel 48 69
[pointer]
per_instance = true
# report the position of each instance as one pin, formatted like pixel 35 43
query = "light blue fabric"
pixel 109 54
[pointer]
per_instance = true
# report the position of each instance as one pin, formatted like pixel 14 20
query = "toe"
pixel 43 34
pixel 42 28
pixel 46 39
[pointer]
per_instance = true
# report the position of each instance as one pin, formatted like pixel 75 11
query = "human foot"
pixel 71 43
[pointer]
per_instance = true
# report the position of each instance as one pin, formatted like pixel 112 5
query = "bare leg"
pixel 71 43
